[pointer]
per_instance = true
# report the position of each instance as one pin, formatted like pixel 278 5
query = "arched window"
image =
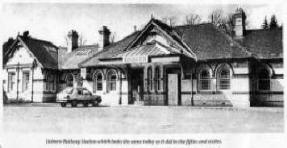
pixel 263 80
pixel 157 78
pixel 69 80
pixel 149 78
pixel 98 82
pixel 204 80
pixel 111 81
pixel 223 78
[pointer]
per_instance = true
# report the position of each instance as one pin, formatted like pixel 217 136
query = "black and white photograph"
pixel 132 69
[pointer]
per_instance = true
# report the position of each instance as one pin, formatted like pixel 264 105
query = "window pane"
pixel 25 81
pixel 149 74
pixel 157 79
pixel 264 80
pixel 99 77
pixel 224 79
pixel 99 85
pixel 224 74
pixel 205 84
pixel 11 81
pixel 204 80
pixel 113 86
pixel 224 84
pixel 98 82
pixel 264 84
pixel 112 77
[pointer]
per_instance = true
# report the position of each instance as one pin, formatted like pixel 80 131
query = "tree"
pixel 265 24
pixel 7 45
pixel 171 21
pixel 5 48
pixel 229 20
pixel 82 41
pixel 216 17
pixel 113 37
pixel 192 19
pixel 273 22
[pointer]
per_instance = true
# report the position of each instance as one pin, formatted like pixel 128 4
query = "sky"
pixel 52 21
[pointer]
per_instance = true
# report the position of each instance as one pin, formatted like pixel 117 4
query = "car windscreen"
pixel 68 91
pixel 86 92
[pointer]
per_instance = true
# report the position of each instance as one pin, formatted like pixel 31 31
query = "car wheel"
pixel 95 103
pixel 86 104
pixel 74 103
pixel 63 104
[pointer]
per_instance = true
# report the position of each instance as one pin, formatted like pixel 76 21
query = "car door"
pixel 79 94
pixel 87 94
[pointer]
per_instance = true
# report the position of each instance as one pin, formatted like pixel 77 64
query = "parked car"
pixel 75 96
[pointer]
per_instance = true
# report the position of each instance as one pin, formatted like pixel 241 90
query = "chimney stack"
pixel 239 23
pixel 72 41
pixel 135 28
pixel 104 37
pixel 26 34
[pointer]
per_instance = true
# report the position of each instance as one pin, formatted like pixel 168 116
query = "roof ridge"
pixel 38 40
pixel 188 25
pixel 106 49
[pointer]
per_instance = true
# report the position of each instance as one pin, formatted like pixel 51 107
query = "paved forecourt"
pixel 51 118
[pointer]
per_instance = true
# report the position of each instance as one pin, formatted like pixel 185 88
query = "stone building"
pixel 196 65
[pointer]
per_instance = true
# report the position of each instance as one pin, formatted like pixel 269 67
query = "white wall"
pixel 21 56
pixel 25 60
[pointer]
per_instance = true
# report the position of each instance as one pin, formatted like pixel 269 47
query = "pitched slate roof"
pixel 150 49
pixel 205 41
pixel 208 42
pixel 44 51
pixel 110 51
pixel 265 44
pixel 72 59
pixel 170 32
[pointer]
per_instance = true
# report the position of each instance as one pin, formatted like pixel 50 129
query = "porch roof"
pixel 150 49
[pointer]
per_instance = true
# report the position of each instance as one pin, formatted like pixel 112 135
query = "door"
pixel 136 86
pixel 173 89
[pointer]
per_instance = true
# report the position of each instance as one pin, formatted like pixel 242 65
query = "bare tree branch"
pixel 113 37
pixel 216 17
pixel 82 41
pixel 171 21
pixel 192 19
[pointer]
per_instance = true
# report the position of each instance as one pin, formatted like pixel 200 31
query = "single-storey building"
pixel 195 65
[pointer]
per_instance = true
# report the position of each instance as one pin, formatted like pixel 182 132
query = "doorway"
pixel 173 83
pixel 136 86
pixel 173 89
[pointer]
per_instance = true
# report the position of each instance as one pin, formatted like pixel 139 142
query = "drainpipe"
pixel 120 88
pixel 32 85
pixel 17 68
pixel 192 97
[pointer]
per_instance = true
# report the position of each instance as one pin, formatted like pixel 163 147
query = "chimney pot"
pixel 25 34
pixel 72 40
pixel 104 37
